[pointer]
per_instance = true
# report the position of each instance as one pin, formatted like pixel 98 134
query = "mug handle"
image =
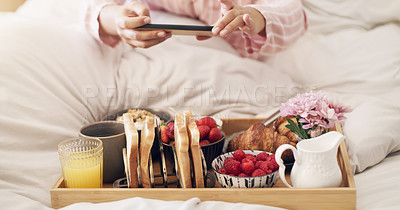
pixel 278 158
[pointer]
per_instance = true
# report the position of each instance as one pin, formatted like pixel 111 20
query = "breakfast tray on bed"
pixel 343 197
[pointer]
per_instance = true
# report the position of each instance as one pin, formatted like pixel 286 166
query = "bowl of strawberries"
pixel 212 138
pixel 246 169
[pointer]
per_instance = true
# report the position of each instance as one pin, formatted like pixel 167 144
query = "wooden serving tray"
pixel 343 197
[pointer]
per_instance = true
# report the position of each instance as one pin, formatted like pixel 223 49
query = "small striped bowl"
pixel 228 181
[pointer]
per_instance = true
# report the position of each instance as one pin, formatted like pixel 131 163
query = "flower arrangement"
pixel 315 113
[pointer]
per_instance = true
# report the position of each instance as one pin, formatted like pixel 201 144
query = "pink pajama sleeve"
pixel 285 22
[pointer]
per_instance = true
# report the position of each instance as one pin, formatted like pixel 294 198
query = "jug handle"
pixel 278 158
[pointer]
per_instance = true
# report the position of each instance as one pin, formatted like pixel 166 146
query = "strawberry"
pixel 209 121
pixel 203 130
pixel 197 122
pixel 239 155
pixel 204 142
pixel 258 172
pixel 232 167
pixel 164 137
pixel 262 156
pixel 214 135
pixel 170 130
pixel 247 166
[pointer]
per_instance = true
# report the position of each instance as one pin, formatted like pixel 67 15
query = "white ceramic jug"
pixel 315 162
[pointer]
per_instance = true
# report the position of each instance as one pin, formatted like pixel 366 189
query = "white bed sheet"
pixel 378 187
pixel 52 83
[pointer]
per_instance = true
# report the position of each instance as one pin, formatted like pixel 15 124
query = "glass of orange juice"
pixel 82 162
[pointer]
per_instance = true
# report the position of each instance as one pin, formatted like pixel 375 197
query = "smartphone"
pixel 193 30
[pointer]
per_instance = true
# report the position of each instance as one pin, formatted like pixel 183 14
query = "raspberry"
pixel 204 142
pixel 262 156
pixel 247 166
pixel 273 166
pixel 232 167
pixel 258 172
pixel 203 130
pixel 222 171
pixel 252 158
pixel 265 166
pixel 209 121
pixel 258 164
pixel 214 135
pixel 243 175
pixel 229 159
pixel 239 155
pixel 197 122
pixel 271 157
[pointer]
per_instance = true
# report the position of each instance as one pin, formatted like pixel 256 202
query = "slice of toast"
pixel 194 138
pixel 182 150
pixel 132 143
pixel 146 142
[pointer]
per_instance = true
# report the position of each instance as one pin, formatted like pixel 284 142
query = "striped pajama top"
pixel 285 22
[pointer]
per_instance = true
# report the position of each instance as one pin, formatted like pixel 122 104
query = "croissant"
pixel 280 126
pixel 261 137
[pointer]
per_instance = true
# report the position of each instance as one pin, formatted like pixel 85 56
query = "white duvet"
pixel 55 78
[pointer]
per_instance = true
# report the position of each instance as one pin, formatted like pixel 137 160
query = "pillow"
pixel 327 16
pixel 372 130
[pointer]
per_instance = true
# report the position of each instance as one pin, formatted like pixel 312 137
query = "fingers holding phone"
pixel 235 17
pixel 132 15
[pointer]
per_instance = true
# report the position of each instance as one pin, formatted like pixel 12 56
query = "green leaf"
pixel 297 129
pixel 303 133
pixel 314 127
pixel 291 128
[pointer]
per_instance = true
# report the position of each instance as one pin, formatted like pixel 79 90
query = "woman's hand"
pixel 246 19
pixel 125 19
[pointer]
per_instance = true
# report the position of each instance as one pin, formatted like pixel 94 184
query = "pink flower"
pixel 316 132
pixel 315 110
pixel 309 122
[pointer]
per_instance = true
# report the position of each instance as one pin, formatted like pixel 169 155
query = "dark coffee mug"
pixel 112 134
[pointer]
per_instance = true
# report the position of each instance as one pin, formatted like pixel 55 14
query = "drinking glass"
pixel 82 162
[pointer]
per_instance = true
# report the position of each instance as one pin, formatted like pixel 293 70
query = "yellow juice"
pixel 83 173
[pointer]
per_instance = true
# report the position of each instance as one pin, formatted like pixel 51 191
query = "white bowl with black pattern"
pixel 228 181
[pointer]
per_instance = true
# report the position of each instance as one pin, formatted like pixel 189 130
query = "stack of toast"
pixel 188 154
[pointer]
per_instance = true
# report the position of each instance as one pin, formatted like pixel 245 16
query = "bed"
pixel 55 78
